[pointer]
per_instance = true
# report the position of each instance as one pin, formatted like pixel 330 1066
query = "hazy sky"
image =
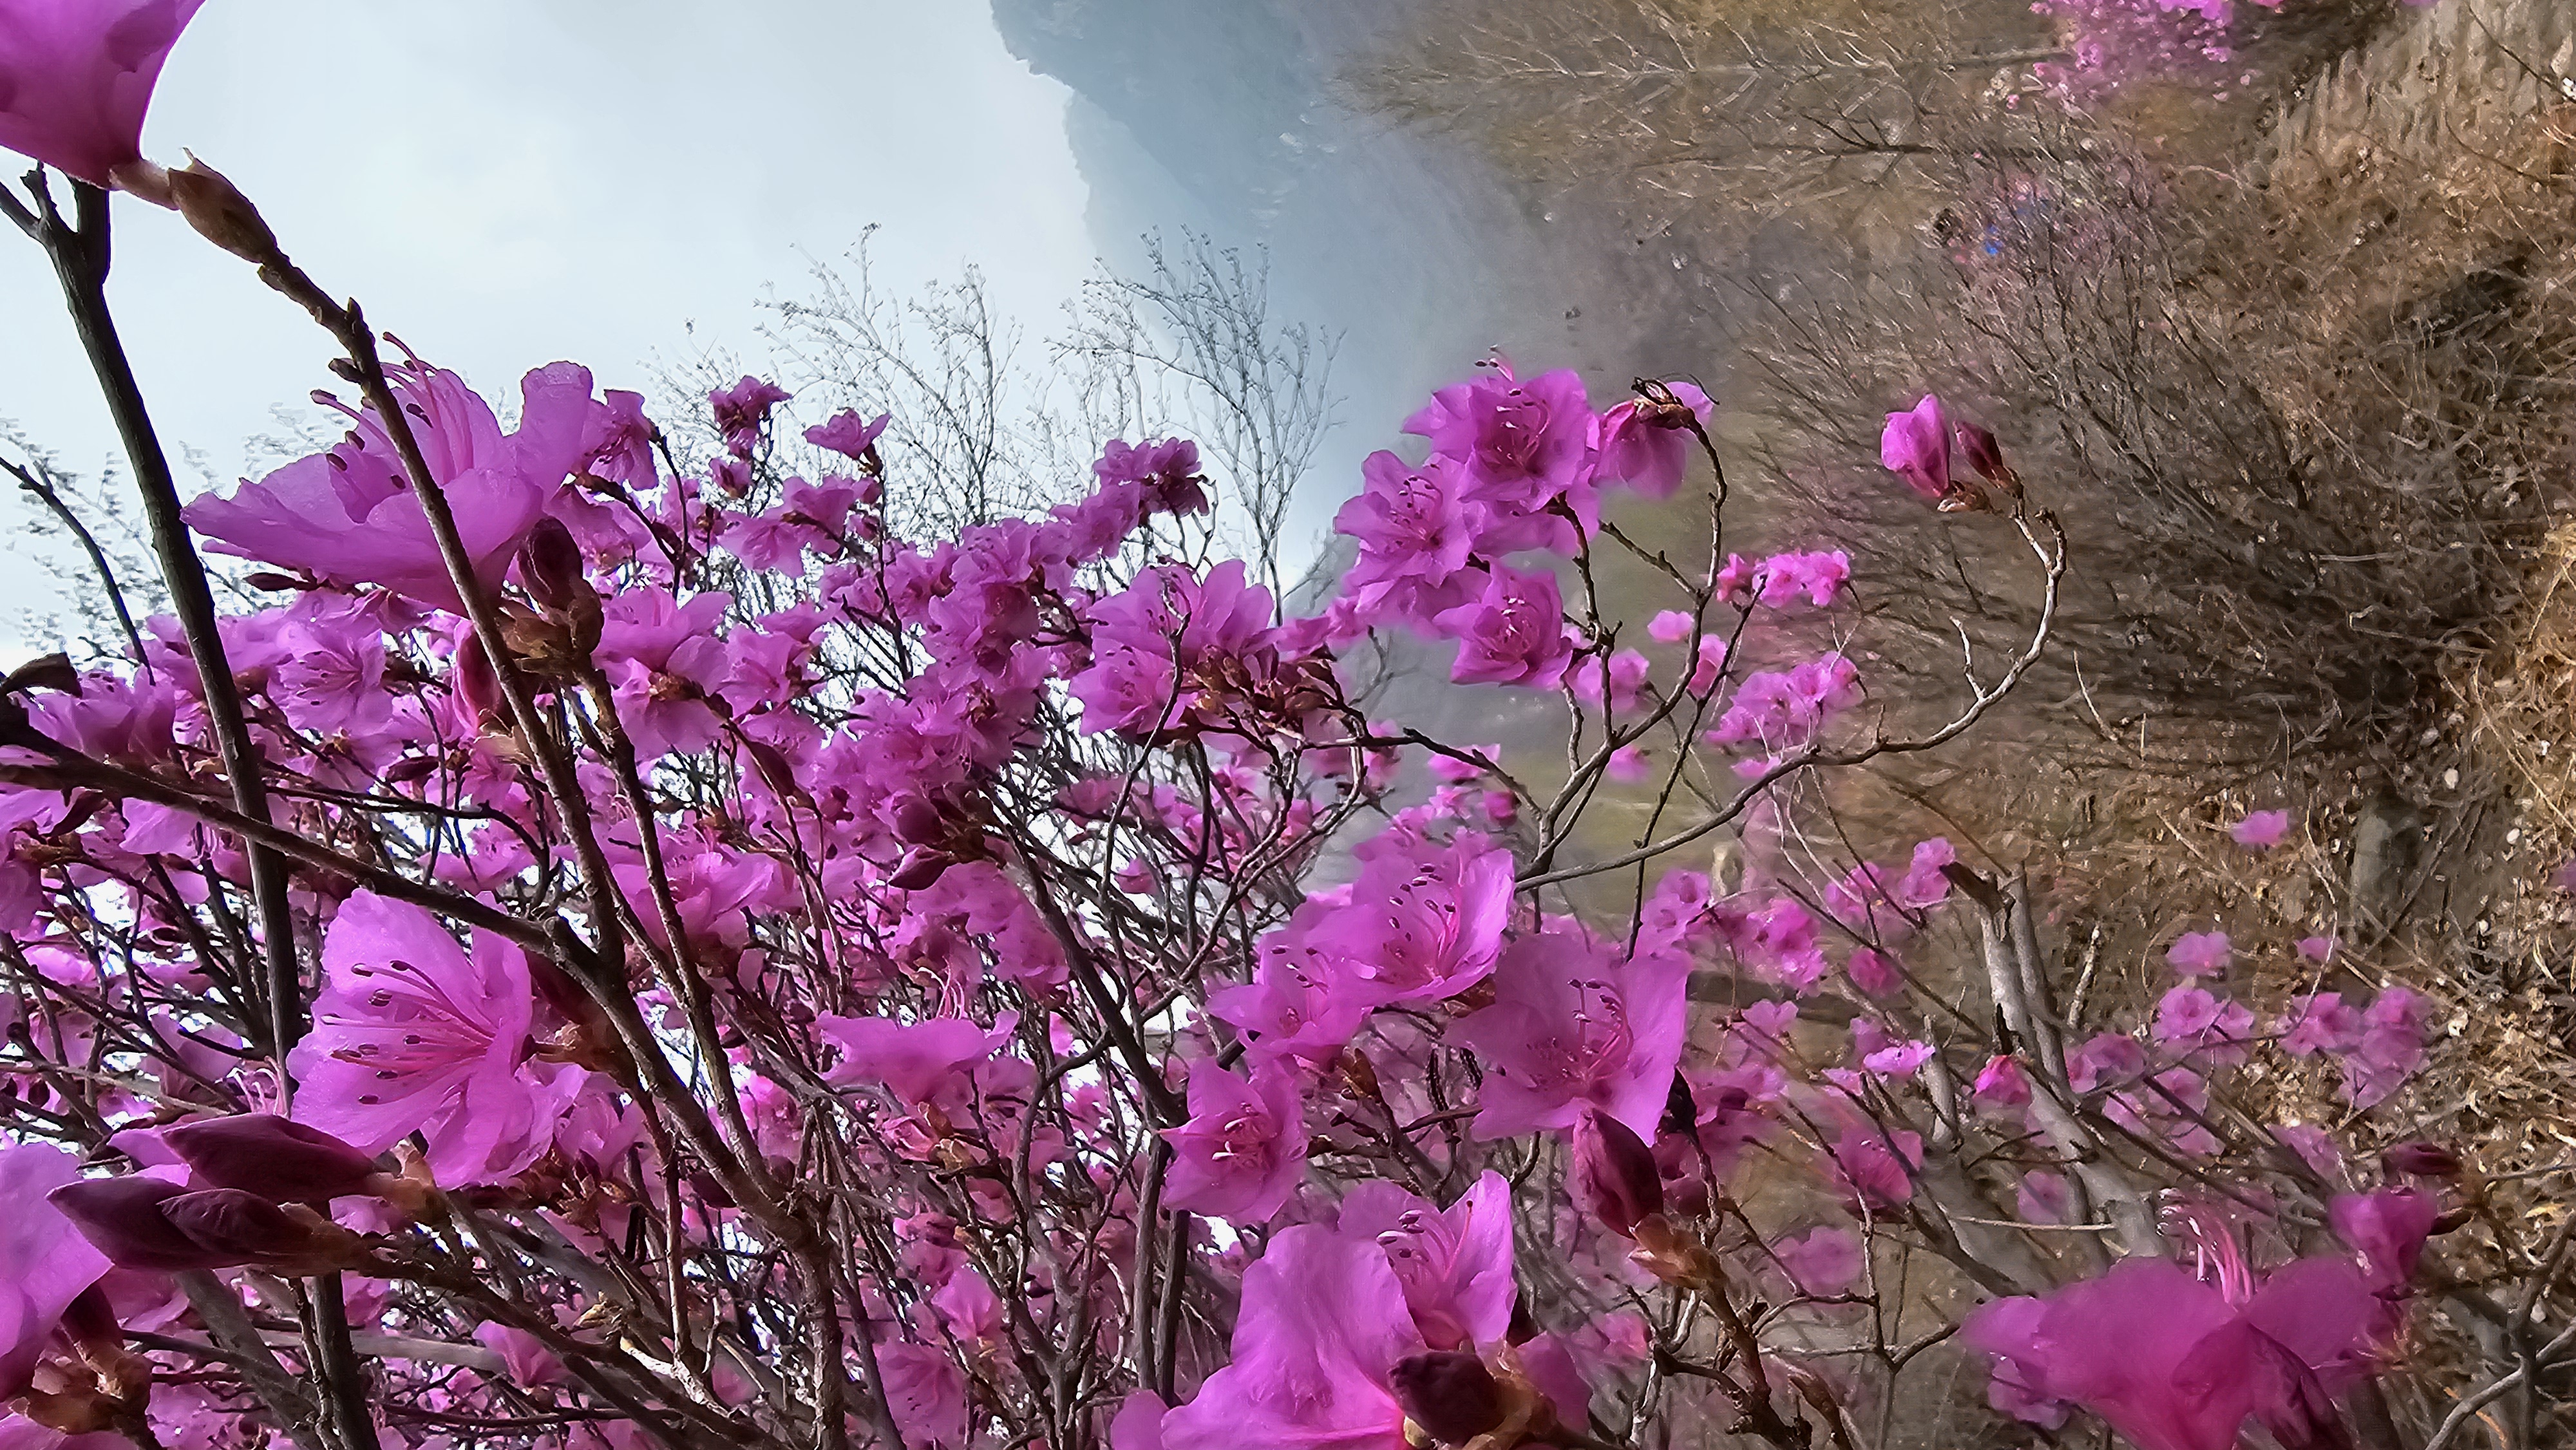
pixel 507 182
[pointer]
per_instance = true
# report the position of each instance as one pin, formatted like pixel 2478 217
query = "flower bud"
pixel 282 1160
pixel 221 214
pixel 477 684
pixel 1614 1177
pixel 916 821
pixel 238 1226
pixel 919 869
pixel 1448 1393
pixel 2418 1158
pixel 550 565
pixel 122 1218
pixel 1986 456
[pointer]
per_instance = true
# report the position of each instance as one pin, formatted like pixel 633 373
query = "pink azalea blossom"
pixel 741 411
pixel 1916 444
pixel 1649 448
pixel 1455 1263
pixel 1522 443
pixel 2199 953
pixel 2174 1363
pixel 2002 1083
pixel 2386 1230
pixel 926 1391
pixel 1422 924
pixel 349 516
pixel 45 1263
pixel 848 433
pixel 1242 1153
pixel 1671 627
pixel 929 1062
pixel 77 75
pixel 1321 1324
pixel 2319 1022
pixel 1513 635
pixel 2261 830
pixel 1415 532
pixel 1573 1024
pixel 1825 1261
pixel 413 1033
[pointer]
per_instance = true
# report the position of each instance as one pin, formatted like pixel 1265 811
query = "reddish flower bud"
pixel 477 684
pixel 239 1227
pixel 550 565
pixel 122 1218
pixel 1448 1393
pixel 269 1155
pixel 1987 457
pixel 2420 1159
pixel 919 869
pixel 1614 1177
pixel 916 821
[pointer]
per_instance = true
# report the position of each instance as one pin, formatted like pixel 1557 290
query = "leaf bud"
pixel 221 214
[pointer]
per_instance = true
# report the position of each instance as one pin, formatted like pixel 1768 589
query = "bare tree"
pixel 1195 335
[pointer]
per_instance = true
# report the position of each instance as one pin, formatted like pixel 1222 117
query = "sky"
pixel 503 183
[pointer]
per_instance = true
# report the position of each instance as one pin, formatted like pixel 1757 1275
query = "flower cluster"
pixel 685 961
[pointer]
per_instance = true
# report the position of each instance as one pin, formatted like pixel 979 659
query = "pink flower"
pixel 1422 924
pixel 2386 1230
pixel 1522 443
pixel 2319 949
pixel 926 1391
pixel 45 1263
pixel 2261 830
pixel 76 76
pixel 332 679
pixel 349 515
pixel 1671 627
pixel 1648 446
pixel 2199 1020
pixel 1415 532
pixel 1152 641
pixel 742 409
pixel 1513 635
pixel 2319 1022
pixel 2003 1083
pixel 2199 953
pixel 524 1357
pixel 1917 445
pixel 848 434
pixel 1873 972
pixel 1869 1165
pixel 1572 1024
pixel 1784 578
pixel 1321 1324
pixel 413 1033
pixel 2177 1364
pixel 926 1062
pixel 1455 1263
pixel 1827 1261
pixel 1242 1154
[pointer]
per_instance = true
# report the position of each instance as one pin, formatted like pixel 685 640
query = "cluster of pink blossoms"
pixel 748 977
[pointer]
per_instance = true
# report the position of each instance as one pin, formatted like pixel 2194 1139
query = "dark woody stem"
pixel 80 253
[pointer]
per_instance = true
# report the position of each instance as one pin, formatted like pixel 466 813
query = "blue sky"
pixel 507 182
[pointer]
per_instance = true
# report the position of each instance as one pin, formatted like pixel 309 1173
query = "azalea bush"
pixel 631 950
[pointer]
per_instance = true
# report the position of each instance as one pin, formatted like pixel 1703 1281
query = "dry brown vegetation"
pixel 2299 376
